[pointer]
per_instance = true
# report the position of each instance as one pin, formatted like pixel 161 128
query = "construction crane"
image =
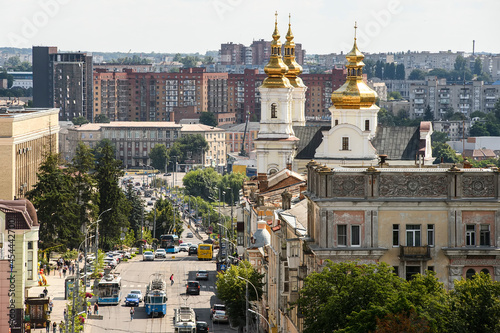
pixel 243 151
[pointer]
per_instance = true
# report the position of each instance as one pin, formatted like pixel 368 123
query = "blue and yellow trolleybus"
pixel 109 289
pixel 170 243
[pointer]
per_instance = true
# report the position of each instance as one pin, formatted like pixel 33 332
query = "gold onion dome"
pixel 276 68
pixel 294 69
pixel 354 93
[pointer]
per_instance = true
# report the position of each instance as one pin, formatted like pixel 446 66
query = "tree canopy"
pixel 158 156
pixel 188 147
pixel 79 120
pixel 208 118
pixel 102 118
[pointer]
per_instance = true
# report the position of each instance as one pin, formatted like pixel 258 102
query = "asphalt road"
pixel 135 275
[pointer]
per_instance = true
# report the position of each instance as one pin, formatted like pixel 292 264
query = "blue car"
pixel 132 300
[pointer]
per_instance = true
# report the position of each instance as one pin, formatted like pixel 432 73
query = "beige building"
pixel 25 136
pixel 134 140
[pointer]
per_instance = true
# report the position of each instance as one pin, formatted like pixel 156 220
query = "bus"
pixel 205 251
pixel 109 289
pixel 170 243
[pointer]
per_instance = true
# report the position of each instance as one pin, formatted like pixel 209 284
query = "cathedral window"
pixel 345 143
pixel 367 125
pixel 274 112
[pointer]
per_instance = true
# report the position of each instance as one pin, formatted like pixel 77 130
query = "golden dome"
pixel 276 68
pixel 354 93
pixel 294 69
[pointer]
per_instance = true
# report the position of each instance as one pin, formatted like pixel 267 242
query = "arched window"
pixel 485 271
pixel 470 273
pixel 274 111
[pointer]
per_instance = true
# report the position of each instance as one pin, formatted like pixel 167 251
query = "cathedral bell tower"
pixel 276 139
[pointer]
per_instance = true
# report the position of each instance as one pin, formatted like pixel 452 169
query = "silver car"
pixel 148 256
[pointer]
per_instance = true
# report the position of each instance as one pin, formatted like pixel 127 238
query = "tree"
pixel 10 80
pixel 108 171
pixel 460 63
pixel 477 114
pixel 400 72
pixel 385 118
pixel 395 95
pixel 53 199
pixel 188 147
pixel 208 60
pixel 478 66
pixel 158 156
pixel 79 121
pixel 342 289
pixel 102 118
pixel 231 182
pixel 208 118
pixel 417 74
pixel 475 305
pixel 379 69
pixel 428 114
pixel 136 210
pixel 232 290
pixel 439 137
pixel 479 129
pixel 202 183
pixel 444 153
pixel 12 63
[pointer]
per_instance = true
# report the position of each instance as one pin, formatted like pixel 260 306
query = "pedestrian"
pixel 61 325
pixel 47 326
pixel 45 292
pixel 48 270
pixel 60 271
pixel 132 311
pixel 65 314
pixel 172 279
pixel 54 327
pixel 89 311
pixel 51 304
pixel 65 268
pixel 96 308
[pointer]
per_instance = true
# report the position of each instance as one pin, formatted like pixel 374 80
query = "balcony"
pixel 415 253
pixel 419 101
pixel 419 91
pixel 464 96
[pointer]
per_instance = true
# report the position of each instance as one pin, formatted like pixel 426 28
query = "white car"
pixel 110 262
pixel 148 256
pixel 125 254
pixel 184 247
pixel 138 293
pixel 160 253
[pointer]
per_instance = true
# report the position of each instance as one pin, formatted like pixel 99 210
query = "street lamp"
pixel 97 238
pixel 256 294
pixel 76 284
pixel 255 312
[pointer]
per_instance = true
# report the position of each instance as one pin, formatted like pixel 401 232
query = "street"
pixel 135 275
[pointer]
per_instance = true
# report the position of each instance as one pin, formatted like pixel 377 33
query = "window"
pixel 274 112
pixel 430 234
pixel 413 235
pixel 484 235
pixel 395 235
pixel 470 273
pixel 336 122
pixel 342 235
pixel 396 270
pixel 345 143
pixel 367 125
pixel 470 235
pixel 355 235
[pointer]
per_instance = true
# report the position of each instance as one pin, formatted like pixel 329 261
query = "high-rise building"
pixel 232 54
pixel 111 94
pixel 64 81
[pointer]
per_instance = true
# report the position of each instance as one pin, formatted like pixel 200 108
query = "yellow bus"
pixel 205 251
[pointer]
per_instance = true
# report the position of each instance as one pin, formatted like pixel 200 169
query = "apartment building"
pixel 27 135
pixel 319 92
pixel 235 134
pixel 111 94
pixel 442 96
pixel 257 54
pixel 64 81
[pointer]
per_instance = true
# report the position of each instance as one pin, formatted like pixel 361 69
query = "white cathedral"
pixel 352 139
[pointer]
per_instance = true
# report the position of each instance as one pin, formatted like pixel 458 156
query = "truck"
pixel 184 320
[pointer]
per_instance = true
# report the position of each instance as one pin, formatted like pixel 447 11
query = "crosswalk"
pixel 139 286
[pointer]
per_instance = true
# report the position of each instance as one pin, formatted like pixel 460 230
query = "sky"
pixel 190 26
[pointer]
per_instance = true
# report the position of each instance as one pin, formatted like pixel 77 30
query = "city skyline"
pixel 190 26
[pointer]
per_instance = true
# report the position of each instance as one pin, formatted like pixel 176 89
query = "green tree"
pixel 102 118
pixel 79 120
pixel 12 63
pixel 428 114
pixel 232 290
pixel 208 60
pixel 53 199
pixel 231 182
pixel 400 72
pixel 444 153
pixel 477 114
pixel 439 137
pixel 342 289
pixel 188 147
pixel 136 210
pixel 394 95
pixel 108 172
pixel 479 129
pixel 385 118
pixel 158 156
pixel 417 74
pixel 460 63
pixel 478 66
pixel 496 110
pixel 379 69
pixel 10 79
pixel 202 183
pixel 208 118
pixel 475 305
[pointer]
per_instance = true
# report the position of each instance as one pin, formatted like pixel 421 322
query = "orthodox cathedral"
pixel 353 137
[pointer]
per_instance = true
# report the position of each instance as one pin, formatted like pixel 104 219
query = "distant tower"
pixel 299 89
pixel 276 139
pixel 354 115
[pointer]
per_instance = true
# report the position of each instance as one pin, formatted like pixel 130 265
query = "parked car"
pixel 138 293
pixel 193 250
pixel 184 247
pixel 189 235
pixel 148 256
pixel 160 253
pixel 216 307
pixel 153 198
pixel 150 203
pixel 220 316
pixel 202 275
pixel 193 288
pixel 132 300
pixel 201 327
pixel 125 254
pixel 111 262
pixel 167 174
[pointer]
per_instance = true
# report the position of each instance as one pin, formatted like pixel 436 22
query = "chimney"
pixel 302 188
pixel 286 200
pixel 289 166
pixel 262 178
